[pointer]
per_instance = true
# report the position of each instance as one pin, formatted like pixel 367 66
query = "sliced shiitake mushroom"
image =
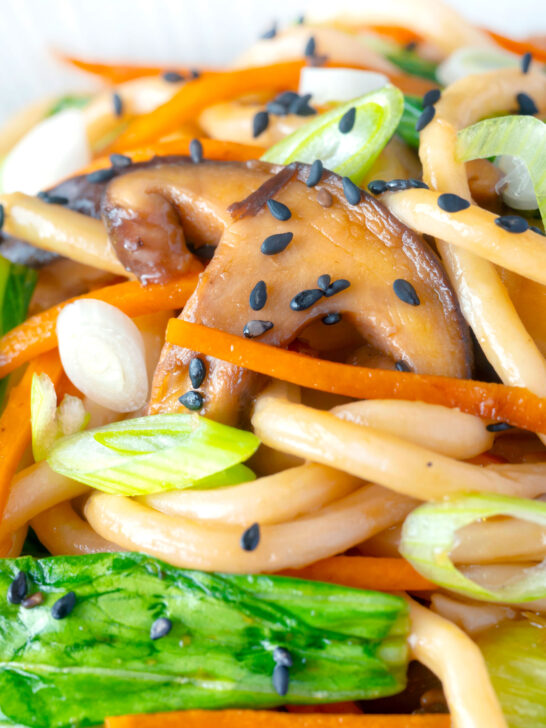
pixel 361 243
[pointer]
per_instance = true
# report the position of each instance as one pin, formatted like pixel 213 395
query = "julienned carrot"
pixel 365 572
pixel 212 149
pixel 118 73
pixel 519 46
pixel 193 97
pixel 270 719
pixel 515 405
pixel 15 420
pixel 395 32
pixel 37 334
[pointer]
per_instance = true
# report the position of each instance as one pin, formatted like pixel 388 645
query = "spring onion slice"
pixel 515 655
pixel 352 154
pixel 430 532
pixel 152 454
pixel 413 108
pixel 467 61
pixel 48 422
pixel 518 136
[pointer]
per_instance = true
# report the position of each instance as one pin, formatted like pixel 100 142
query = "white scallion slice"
pixel 55 148
pixel 523 137
pixel 516 187
pixel 466 61
pixel 338 84
pixel 155 453
pixel 429 534
pixel 102 353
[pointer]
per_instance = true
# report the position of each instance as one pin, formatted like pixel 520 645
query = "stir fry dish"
pixel 273 385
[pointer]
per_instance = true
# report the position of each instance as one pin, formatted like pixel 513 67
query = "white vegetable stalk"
pixel 466 61
pixel 338 84
pixel 102 353
pixel 55 148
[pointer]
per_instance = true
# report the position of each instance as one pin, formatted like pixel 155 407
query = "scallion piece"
pixel 517 136
pixel 429 534
pixel 350 155
pixel 515 654
pixel 152 454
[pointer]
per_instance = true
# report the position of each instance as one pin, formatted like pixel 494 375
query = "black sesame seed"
pixel 417 183
pixel 432 97
pixel 499 427
pixel 377 186
pixel 52 199
pixel 258 296
pixel 192 400
pixel 287 97
pixel 425 118
pixel 195 73
pixel 331 318
pixel 305 299
pixel 411 46
pixel 452 203
pixel 196 151
pixel 300 20
pixel 18 588
pixel 279 210
pixel 347 121
pixel 512 223
pixel 323 281
pixel 276 243
pixel 537 230
pixel 63 606
pixel 353 194
pixel 300 106
pixel 2 216
pixel 406 292
pixel 397 184
pixel 256 328
pixel 276 108
pixel 401 366
pixel 260 122
pixel 120 160
pixel 282 656
pixel 101 175
pixel 336 287
pixel 281 679
pixel 250 538
pixel 526 61
pixel 34 600
pixel 173 77
pixel 315 173
pixel 271 33
pixel 526 105
pixel 310 47
pixel 117 102
pixel 160 628
pixel 197 372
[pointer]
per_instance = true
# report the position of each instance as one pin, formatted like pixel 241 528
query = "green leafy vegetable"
pixel 429 534
pixel 350 155
pixel 70 101
pixel 17 283
pixel 413 108
pixel 49 423
pixel 150 454
pixel 345 643
pixel 518 136
pixel 515 654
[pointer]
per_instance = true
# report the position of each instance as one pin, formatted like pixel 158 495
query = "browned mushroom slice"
pixel 362 243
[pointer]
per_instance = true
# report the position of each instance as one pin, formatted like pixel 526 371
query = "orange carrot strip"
pixel 270 719
pixel 212 149
pixel 515 405
pixel 37 334
pixel 193 97
pixel 519 46
pixel 118 73
pixel 15 420
pixel 395 32
pixel 365 572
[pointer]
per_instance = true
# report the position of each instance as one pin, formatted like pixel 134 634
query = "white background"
pixel 166 31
